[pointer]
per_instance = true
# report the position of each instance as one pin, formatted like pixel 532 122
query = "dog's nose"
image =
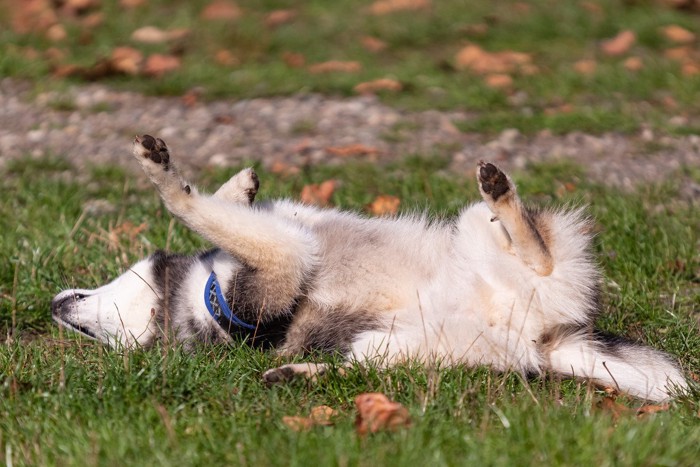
pixel 59 302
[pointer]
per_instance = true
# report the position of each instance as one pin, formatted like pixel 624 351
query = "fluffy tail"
pixel 613 362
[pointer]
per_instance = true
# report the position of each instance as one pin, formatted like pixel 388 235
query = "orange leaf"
pixel 32 15
pixel 221 10
pixel 498 81
pixel 383 7
pixel 126 60
pixel 154 35
pixel 279 17
pixel 619 44
pixel 384 205
pixel 586 66
pixel 157 64
pixel 298 423
pixel 352 150
pixel 375 412
pixel 651 409
pixel 373 44
pixel 226 58
pixel 615 409
pixel 318 194
pixel 293 59
pixel 323 415
pixel 382 84
pixel 477 60
pixel 334 66
pixel 677 34
pixel 633 64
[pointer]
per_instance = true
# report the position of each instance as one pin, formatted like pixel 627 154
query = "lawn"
pixel 68 401
pixel 562 77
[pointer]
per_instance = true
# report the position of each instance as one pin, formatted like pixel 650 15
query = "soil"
pixel 94 124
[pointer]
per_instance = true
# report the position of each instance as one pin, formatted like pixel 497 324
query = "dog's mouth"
pixel 76 327
pixel 57 310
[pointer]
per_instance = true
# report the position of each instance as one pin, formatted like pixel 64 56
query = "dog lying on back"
pixel 501 285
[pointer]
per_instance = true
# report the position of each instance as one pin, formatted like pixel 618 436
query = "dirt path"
pixel 95 124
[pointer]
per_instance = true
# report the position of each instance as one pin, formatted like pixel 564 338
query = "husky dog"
pixel 501 285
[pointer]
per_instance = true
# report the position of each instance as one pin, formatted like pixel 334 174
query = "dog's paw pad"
pixel 279 375
pixel 493 181
pixel 253 186
pixel 154 149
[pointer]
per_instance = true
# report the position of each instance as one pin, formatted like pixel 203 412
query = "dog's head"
pixel 120 314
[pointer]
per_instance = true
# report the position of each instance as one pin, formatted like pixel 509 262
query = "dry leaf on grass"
pixel 321 415
pixel 158 64
pixel 277 18
pixel 154 35
pixel 318 194
pixel 615 409
pixel 335 66
pixel 479 61
pixel 126 60
pixel 384 205
pixel 651 409
pixel 382 84
pixel 383 7
pixel 294 59
pixel 226 58
pixel 619 44
pixel 56 33
pixel 586 66
pixel 127 229
pixel 32 15
pixel 373 44
pixel 352 150
pixel 633 64
pixel 221 10
pixel 677 34
pixel 498 81
pixel 375 412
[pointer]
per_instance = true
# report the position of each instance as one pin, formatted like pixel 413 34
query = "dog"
pixel 502 285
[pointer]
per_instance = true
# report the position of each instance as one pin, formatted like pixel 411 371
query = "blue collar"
pixel 218 308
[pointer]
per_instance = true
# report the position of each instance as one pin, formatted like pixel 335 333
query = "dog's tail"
pixel 613 362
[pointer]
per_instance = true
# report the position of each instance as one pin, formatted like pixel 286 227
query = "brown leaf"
pixel 586 66
pixel 294 59
pixel 126 60
pixel 221 10
pixel 154 35
pixel 677 34
pixel 651 409
pixel 298 423
pixel 474 58
pixel 382 84
pixel 373 44
pixel 158 64
pixel 32 15
pixel 498 81
pixel 615 409
pixel 279 17
pixel 93 20
pixel 335 66
pixel 127 229
pixel 352 150
pixel 619 44
pixel 318 194
pixel 633 64
pixel 323 415
pixel 226 58
pixel 383 7
pixel 375 412
pixel 56 33
pixel 679 54
pixel 384 205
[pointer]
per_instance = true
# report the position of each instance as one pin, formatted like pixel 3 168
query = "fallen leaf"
pixel 373 44
pixel 610 406
pixel 383 7
pixel 293 59
pixel 384 205
pixel 92 20
pixel 282 168
pixel 221 10
pixel 158 64
pixel 679 54
pixel 593 8
pixel 476 29
pixel 690 69
pixel 298 423
pixel 318 194
pixel 323 415
pixel 375 412
pixel 128 229
pixel 651 409
pixel 335 66
pixel 126 60
pixel 677 34
pixel 32 15
pixel 154 35
pixel 474 58
pixel 277 18
pixel 382 84
pixel 56 33
pixel 633 64
pixel 586 66
pixel 619 44
pixel 352 150
pixel 498 81
pixel 226 58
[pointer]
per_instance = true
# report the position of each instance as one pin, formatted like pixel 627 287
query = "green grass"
pixel 68 401
pixel 420 53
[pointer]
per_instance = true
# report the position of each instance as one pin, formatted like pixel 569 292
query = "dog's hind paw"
pixel 492 181
pixel 155 149
pixel 286 373
pixel 154 157
pixel 241 188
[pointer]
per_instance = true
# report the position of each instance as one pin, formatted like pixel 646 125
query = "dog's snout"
pixel 61 300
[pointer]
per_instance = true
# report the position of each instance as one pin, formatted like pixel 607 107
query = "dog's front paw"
pixel 154 157
pixel 286 373
pixel 279 375
pixel 154 149
pixel 241 188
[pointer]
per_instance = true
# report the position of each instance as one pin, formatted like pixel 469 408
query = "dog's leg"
pixel 279 252
pixel 290 371
pixel 241 188
pixel 526 240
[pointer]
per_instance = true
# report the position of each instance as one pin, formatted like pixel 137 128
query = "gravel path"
pixel 95 124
